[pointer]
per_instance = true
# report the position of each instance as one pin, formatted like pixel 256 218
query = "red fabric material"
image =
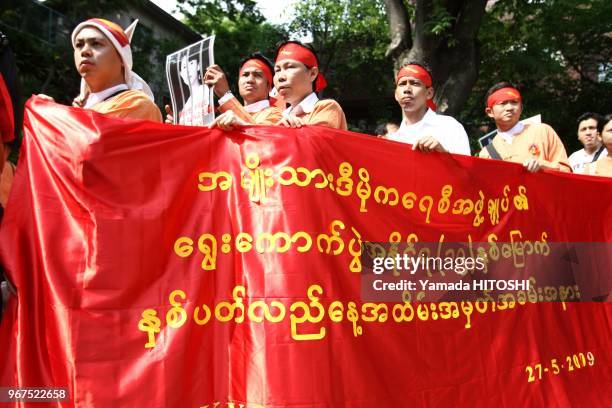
pixel 7 118
pixel 88 241
pixel 114 29
pixel 503 95
pixel 417 72
pixel 305 56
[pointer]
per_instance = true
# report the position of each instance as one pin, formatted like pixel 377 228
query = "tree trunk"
pixel 451 54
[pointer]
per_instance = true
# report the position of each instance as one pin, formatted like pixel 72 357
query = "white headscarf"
pixel 121 41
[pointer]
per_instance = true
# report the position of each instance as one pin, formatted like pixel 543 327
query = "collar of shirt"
pixel 257 106
pixel 429 117
pixel 586 156
pixel 97 97
pixel 515 130
pixel 306 106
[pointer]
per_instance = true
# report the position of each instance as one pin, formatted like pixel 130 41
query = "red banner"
pixel 170 266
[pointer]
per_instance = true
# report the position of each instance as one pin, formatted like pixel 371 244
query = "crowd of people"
pixel 103 58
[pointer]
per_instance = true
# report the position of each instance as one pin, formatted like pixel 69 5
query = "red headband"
pixel 419 73
pixel 305 56
pixel 113 28
pixel 255 63
pixel 415 71
pixel 503 95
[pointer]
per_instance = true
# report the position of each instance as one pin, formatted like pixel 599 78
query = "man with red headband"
pixel 297 80
pixel 421 126
pixel 254 85
pixel 103 58
pixel 535 146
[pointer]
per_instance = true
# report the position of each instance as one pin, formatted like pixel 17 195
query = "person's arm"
pixel 235 106
pixel 553 155
pixel 227 121
pixel 455 140
pixel 169 115
pixel 428 144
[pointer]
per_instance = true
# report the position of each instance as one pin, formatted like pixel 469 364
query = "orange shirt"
pixel 601 167
pixel 534 141
pixel 313 111
pixel 267 116
pixel 326 112
pixel 131 104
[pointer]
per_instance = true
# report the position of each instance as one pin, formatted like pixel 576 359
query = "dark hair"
pixel 191 57
pixel 497 87
pixel 307 46
pixel 258 56
pixel 604 122
pixel 381 129
pixel 589 115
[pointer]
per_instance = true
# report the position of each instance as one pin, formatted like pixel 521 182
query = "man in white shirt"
pixel 590 139
pixel 421 126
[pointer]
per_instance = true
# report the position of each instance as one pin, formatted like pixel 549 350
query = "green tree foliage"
pixel 557 51
pixel 239 27
pixel 351 38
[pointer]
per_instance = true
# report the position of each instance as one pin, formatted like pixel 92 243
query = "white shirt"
pixel 257 106
pixel 444 129
pixel 509 134
pixel 252 108
pixel 97 97
pixel 305 106
pixel 579 158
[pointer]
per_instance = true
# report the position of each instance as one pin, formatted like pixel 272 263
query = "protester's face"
pixel 606 135
pixel 97 60
pixel 412 94
pixel 506 114
pixel 189 71
pixel 253 85
pixel 588 134
pixel 293 80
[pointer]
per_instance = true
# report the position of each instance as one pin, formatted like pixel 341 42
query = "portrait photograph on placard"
pixel 192 99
